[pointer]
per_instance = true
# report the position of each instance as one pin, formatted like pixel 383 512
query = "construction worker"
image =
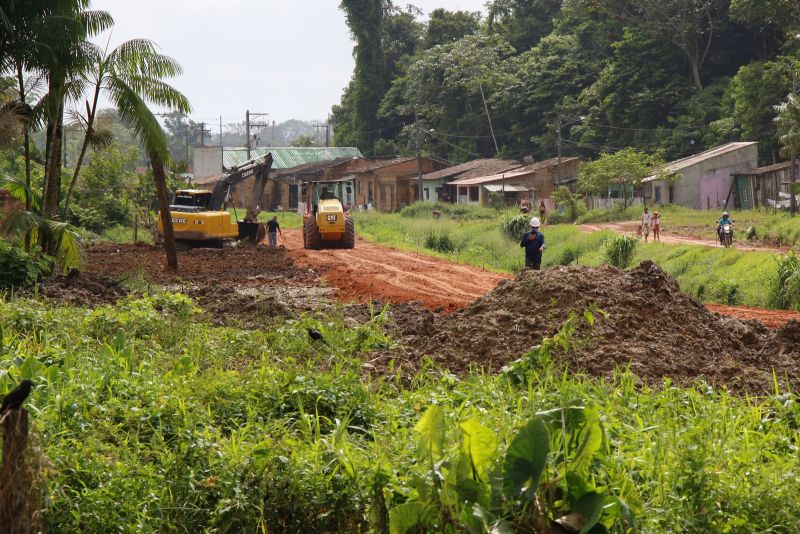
pixel 273 229
pixel 533 242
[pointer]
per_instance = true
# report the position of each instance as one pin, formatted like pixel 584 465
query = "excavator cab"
pixel 329 224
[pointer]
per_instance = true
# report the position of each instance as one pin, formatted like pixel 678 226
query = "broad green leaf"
pixel 590 506
pixel 430 432
pixel 525 459
pixel 589 437
pixel 30 368
pixel 480 444
pixel 410 517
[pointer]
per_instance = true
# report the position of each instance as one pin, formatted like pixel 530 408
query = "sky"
pixel 288 58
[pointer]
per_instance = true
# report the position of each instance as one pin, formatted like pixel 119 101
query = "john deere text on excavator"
pixel 199 216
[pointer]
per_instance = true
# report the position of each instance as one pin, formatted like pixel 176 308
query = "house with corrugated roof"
pixel 290 166
pixel 391 184
pixel 703 181
pixel 436 185
pixel 764 187
pixel 535 182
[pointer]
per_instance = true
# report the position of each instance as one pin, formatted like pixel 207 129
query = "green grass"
pixel 714 275
pixel 151 421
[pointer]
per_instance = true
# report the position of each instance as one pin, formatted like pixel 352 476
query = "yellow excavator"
pixel 200 217
pixel 328 225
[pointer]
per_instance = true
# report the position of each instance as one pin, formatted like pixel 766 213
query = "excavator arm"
pixel 259 168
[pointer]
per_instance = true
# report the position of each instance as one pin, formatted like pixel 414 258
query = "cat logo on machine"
pixel 178 220
pixel 331 218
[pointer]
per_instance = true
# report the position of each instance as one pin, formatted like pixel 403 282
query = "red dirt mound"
pixel 650 326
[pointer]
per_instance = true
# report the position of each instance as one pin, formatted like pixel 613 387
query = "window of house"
pixel 474 194
pixel 427 194
pixel 657 194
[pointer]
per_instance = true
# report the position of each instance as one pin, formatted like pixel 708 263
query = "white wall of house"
pixel 206 161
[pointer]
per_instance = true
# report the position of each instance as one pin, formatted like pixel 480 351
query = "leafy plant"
pixel 618 251
pixel 516 226
pixel 440 242
pixel 785 287
pixel 19 268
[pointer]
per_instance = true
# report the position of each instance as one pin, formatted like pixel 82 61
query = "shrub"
pixel 516 226
pixel 618 251
pixel 570 253
pixel 785 290
pixel 19 268
pixel 497 200
pixel 440 242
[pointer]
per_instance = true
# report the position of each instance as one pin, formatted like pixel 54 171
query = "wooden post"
pixel 16 483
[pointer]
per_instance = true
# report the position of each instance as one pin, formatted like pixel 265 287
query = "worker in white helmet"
pixel 533 242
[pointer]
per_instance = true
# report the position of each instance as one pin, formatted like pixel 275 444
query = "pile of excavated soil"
pixel 81 289
pixel 650 326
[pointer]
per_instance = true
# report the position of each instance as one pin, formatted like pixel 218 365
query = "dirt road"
pixel 376 272
pixel 671 237
pixel 372 271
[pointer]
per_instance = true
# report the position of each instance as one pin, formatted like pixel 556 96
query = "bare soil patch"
pixel 650 326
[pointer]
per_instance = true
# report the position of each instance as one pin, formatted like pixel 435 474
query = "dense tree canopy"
pixel 676 76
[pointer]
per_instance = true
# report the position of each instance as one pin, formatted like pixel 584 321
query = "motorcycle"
pixel 726 235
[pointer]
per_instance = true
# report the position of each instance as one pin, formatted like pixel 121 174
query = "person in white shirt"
pixel 646 218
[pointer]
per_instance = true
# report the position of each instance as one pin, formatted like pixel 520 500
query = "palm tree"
pixel 62 56
pixel 109 73
pixel 788 122
pixel 130 76
pixel 142 81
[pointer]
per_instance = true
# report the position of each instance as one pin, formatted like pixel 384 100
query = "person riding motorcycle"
pixel 726 219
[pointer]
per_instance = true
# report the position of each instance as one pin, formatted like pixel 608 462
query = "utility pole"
pixel 203 131
pixel 419 154
pixel 249 125
pixel 247 131
pixel 327 132
pixel 220 131
pixel 558 141
pixel 186 137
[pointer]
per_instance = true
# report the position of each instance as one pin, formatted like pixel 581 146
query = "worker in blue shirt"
pixel 533 242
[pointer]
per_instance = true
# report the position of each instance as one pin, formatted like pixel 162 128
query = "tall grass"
pixel 723 276
pixel 152 421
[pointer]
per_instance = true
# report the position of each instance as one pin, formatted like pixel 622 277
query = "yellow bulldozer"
pixel 328 225
pixel 200 218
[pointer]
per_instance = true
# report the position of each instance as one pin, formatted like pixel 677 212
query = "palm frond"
pixel 101 138
pixel 70 252
pixel 158 92
pixel 133 111
pixel 76 119
pixel 20 191
pixel 96 21
pixel 21 223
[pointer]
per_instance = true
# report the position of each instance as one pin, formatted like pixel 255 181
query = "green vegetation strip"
pixel 152 421
pixel 485 238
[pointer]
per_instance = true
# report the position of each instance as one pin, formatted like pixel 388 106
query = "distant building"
pixel 212 161
pixel 705 180
pixel 764 187
pixel 391 184
pixel 437 185
pixel 534 182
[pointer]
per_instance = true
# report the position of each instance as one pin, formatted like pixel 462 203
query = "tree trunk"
pixel 90 114
pixel 793 191
pixel 160 178
pixel 18 500
pixel 698 84
pixel 52 185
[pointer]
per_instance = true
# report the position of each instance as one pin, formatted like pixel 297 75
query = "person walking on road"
pixel 646 220
pixel 533 242
pixel 273 229
pixel 542 212
pixel 656 226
